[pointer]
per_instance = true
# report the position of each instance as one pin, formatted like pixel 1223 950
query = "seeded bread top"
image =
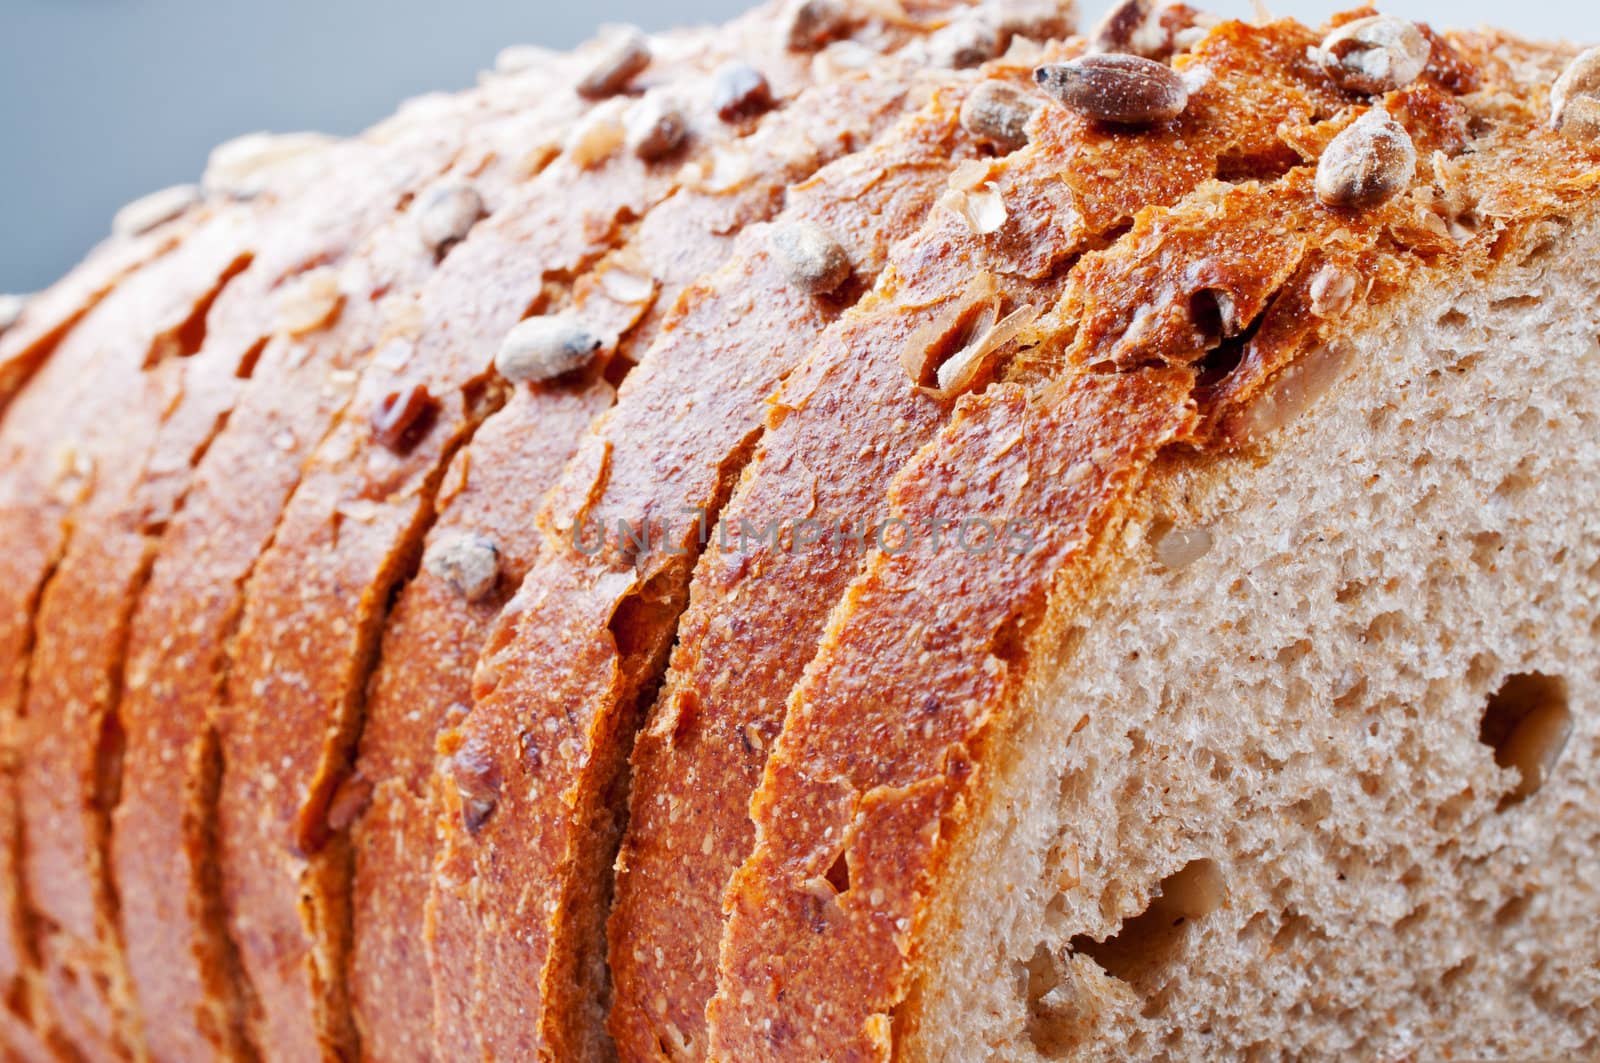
pixel 1199 326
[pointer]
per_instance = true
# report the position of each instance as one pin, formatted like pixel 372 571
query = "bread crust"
pixel 843 782
pixel 350 536
pixel 222 671
pixel 431 640
pixel 56 454
pixel 187 613
pixel 559 966
pixel 50 315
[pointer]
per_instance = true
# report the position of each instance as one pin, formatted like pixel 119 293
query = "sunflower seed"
pixel 655 128
pixel 812 258
pixel 543 348
pixel 813 24
pixel 158 208
pixel 1037 20
pixel 999 112
pixel 1120 89
pixel 245 166
pixel 447 213
pixel 1368 163
pixel 740 91
pixel 469 563
pixel 1376 54
pixel 402 418
pixel 963 44
pixel 1575 98
pixel 622 58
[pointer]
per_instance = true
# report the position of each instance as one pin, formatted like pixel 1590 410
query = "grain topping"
pixel 1375 55
pixel 655 128
pixel 469 563
pixel 1368 163
pixel 999 112
pixel 1575 98
pixel 540 349
pixel 157 208
pixel 620 61
pixel 1119 89
pixel 740 91
pixel 965 43
pixel 447 213
pixel 309 301
pixel 813 24
pixel 812 258
pixel 1037 20
pixel 401 418
pixel 245 166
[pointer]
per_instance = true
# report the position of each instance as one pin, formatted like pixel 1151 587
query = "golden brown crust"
pixel 48 323
pixel 431 640
pixel 896 671
pixel 350 534
pixel 191 379
pixel 57 451
pixel 212 566
pixel 48 316
pixel 822 124
pixel 174 937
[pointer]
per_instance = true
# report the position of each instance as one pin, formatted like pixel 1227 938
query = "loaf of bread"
pixel 884 529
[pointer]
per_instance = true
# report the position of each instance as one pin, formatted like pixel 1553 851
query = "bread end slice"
pixel 1313 773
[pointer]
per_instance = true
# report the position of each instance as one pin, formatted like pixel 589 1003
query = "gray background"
pixel 103 100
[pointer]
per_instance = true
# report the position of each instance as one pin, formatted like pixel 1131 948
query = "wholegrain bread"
pixel 1093 549
pixel 55 455
pixel 761 604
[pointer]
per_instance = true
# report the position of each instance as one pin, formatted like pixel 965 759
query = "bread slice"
pixel 492 494
pixel 757 607
pixel 979 794
pixel 1064 711
pixel 71 782
pixel 163 852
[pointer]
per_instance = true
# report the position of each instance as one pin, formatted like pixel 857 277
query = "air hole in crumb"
pixel 1486 546
pixel 1292 929
pixel 1512 910
pixel 1514 304
pixel 1527 723
pixel 1148 941
pixel 838 875
pixel 1457 972
pixel 1454 319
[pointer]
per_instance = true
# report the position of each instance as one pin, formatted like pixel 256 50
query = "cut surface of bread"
pixel 1315 778
pixel 881 530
